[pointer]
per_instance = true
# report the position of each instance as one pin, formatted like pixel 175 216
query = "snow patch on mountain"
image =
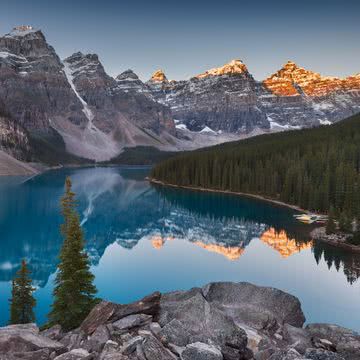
pixel 86 109
pixel 206 129
pixel 93 143
pixel 22 30
pixel 276 126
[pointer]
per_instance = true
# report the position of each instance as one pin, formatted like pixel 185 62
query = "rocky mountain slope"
pixel 220 321
pixel 75 98
pixel 14 140
pixel 229 99
pixel 96 116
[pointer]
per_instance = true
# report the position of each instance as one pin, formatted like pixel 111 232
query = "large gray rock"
pixel 255 306
pixel 55 332
pixel 42 354
pixel 320 354
pixel 130 346
pixel 286 354
pixel 203 321
pixel 298 338
pixel 153 349
pixel 73 339
pixel 174 332
pixel 97 340
pixel 346 341
pixel 148 305
pixel 111 351
pixel 99 315
pixel 201 351
pixel 25 338
pixel 132 321
pixel 75 354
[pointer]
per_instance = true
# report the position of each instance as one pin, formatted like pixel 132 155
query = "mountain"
pixel 71 110
pixel 220 99
pixel 75 99
pixel 229 99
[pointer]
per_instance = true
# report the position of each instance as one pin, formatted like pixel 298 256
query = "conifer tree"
pixel 22 301
pixel 74 292
pixel 330 225
pixel 345 224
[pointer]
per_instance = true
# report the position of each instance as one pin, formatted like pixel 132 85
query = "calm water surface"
pixel 142 238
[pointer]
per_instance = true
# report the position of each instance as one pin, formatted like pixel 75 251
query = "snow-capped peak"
pixel 22 30
pixel 235 66
pixel 159 76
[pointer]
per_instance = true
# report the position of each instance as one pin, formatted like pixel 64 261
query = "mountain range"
pixel 73 110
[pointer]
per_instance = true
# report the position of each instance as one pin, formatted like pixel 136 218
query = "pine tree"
pixel 345 223
pixel 22 301
pixel 74 292
pixel 330 225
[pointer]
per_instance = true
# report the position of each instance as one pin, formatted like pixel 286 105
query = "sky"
pixel 187 37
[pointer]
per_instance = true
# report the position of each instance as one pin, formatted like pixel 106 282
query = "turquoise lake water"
pixel 143 238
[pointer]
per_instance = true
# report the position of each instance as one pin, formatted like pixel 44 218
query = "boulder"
pixel 130 346
pixel 149 305
pixel 255 306
pixel 286 354
pixel 298 338
pixel 140 353
pixel 97 340
pixel 73 339
pixel 25 338
pixel 153 349
pixel 42 354
pixel 155 328
pixel 111 351
pixel 99 315
pixel 132 321
pixel 201 351
pixel 203 321
pixel 174 332
pixel 320 354
pixel 55 332
pixel 346 341
pixel 75 354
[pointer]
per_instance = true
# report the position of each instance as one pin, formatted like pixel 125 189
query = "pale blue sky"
pixel 188 37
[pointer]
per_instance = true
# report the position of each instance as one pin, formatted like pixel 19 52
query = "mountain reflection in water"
pixel 119 209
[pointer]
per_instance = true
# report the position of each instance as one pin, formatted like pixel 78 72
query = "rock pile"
pixel 221 321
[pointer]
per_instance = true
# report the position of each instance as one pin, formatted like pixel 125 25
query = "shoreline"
pixel 338 239
pixel 249 195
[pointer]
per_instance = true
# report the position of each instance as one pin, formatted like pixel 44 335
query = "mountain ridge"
pixel 98 116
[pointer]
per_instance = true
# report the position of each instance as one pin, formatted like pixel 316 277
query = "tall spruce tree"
pixel 74 292
pixel 330 225
pixel 22 302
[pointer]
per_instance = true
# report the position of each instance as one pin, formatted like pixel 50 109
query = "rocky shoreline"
pixel 338 239
pixel 220 321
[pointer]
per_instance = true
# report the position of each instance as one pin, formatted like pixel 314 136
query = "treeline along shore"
pixel 317 170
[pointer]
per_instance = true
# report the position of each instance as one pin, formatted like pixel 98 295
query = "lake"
pixel 143 238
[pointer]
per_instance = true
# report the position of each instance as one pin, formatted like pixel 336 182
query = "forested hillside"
pixel 315 169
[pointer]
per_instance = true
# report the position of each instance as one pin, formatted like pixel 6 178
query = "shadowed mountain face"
pixel 76 105
pixel 119 206
pixel 76 98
